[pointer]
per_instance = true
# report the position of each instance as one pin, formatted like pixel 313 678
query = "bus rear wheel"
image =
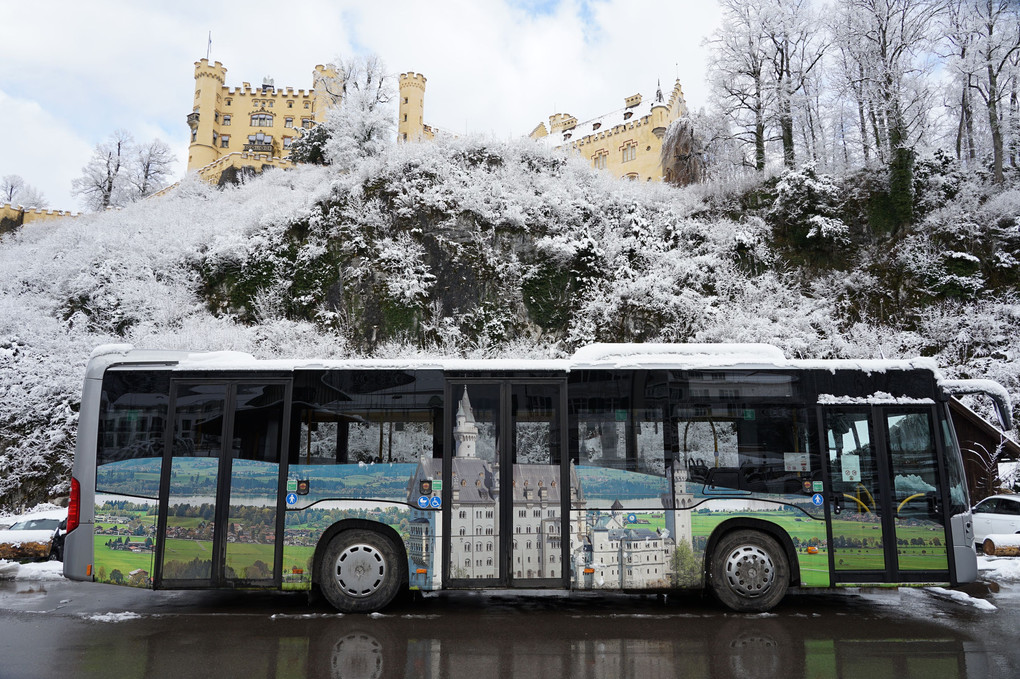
pixel 361 571
pixel 750 572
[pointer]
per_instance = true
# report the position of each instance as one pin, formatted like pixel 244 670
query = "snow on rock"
pixel 999 569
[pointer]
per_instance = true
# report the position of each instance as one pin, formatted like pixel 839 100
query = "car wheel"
pixel 749 571
pixel 362 571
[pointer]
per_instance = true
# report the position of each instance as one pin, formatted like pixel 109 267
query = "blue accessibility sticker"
pixel 632 518
pixel 817 499
pixel 436 502
pixel 292 498
pixel 423 501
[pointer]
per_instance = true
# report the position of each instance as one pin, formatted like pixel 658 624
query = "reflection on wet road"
pixel 82 630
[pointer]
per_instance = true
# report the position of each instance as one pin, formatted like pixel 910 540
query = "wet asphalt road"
pixel 64 629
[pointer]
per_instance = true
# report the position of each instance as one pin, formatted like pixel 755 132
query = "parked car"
pixel 996 515
pixel 39 535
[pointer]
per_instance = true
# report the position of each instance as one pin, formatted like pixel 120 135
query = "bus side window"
pixel 756 449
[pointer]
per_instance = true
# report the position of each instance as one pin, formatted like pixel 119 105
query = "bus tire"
pixel 749 571
pixel 361 571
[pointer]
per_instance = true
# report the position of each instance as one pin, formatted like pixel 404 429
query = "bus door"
pixel 220 494
pixel 503 476
pixel 886 502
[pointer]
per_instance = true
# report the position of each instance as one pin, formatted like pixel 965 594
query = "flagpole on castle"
pixel 208 47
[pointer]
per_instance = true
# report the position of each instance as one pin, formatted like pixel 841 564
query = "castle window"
pixel 270 103
pixel 225 141
pixel 216 116
pixel 290 104
pixel 228 101
pixel 287 142
pixel 259 139
pixel 405 117
pixel 194 134
pixel 288 122
pixel 405 100
pixel 306 123
pixel 598 161
pixel 629 151
pixel 627 115
pixel 596 126
pixel 261 120
pixel 307 104
pixel 226 118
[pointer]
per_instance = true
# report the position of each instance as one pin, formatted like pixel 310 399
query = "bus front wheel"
pixel 361 571
pixel 750 572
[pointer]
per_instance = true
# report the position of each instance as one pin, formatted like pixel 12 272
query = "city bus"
pixel 633 468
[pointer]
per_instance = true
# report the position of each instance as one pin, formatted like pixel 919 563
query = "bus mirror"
pixel 994 390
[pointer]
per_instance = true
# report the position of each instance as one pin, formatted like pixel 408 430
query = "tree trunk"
pixel 995 125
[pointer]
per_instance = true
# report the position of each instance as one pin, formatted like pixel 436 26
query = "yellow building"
pixel 626 142
pixel 249 126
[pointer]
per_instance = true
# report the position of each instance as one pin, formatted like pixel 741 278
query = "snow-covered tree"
pixel 149 168
pixel 121 172
pixel 360 121
pixel 682 154
pixel 890 46
pixel 15 191
pixel 103 183
pixel 995 26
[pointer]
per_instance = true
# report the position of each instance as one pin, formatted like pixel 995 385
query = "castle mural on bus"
pixel 627 530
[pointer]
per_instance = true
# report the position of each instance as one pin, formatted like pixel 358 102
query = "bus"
pixel 634 468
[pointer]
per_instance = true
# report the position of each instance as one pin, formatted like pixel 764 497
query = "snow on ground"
pixel 45 570
pixel 962 598
pixel 113 617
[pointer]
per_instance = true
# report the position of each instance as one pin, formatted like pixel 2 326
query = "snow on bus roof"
pixel 602 356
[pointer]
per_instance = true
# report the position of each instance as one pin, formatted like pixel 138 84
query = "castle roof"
pixel 607 121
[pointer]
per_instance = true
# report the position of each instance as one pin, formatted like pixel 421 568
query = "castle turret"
pixel 204 118
pixel 411 111
pixel 465 432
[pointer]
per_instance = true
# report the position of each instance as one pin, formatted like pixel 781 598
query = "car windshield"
pixel 36 524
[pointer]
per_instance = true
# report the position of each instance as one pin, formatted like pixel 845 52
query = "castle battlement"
pixel 24 215
pixel 411 79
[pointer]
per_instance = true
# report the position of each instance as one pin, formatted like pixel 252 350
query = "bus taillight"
pixel 74 505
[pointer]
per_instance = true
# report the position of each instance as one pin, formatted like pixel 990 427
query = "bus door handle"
pixel 837 502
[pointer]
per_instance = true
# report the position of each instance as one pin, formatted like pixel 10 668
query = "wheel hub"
pixel 750 571
pixel 360 570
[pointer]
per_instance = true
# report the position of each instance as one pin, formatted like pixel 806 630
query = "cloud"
pixel 42 149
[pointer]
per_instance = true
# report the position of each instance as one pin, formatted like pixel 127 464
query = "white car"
pixel 996 515
pixel 39 535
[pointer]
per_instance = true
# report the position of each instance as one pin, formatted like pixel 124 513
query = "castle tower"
pixel 204 118
pixel 411 111
pixel 465 432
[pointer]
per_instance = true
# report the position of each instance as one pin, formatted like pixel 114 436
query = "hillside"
pixel 479 248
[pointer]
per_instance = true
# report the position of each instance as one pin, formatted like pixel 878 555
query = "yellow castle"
pixel 254 126
pixel 626 142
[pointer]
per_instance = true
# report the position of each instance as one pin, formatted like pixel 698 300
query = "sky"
pixel 73 72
